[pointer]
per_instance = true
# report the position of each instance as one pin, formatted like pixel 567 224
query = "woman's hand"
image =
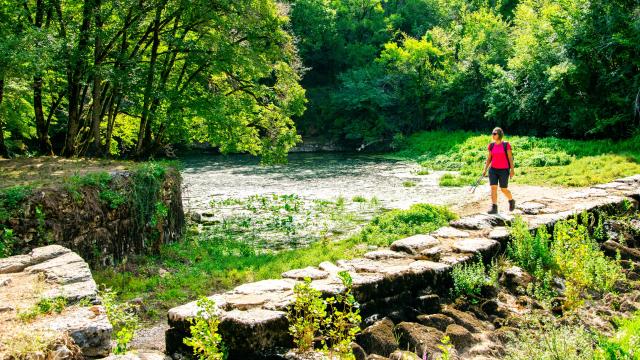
pixel 511 173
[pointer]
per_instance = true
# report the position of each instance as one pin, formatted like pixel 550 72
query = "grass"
pixel 215 261
pixel 409 183
pixel 539 161
pixel 625 343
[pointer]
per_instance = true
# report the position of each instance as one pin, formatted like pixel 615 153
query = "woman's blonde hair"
pixel 499 131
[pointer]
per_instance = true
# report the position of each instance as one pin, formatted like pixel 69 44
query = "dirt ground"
pixel 51 170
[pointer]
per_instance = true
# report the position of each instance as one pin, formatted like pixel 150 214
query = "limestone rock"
pixel 480 221
pixel 478 245
pixel 404 355
pixel 423 339
pixel 432 254
pixel 89 328
pixel 265 286
pixel 460 337
pixel 465 320
pixel 254 331
pixel 500 234
pixel 14 264
pixel 414 244
pixel 139 355
pixel 376 357
pixel 437 321
pixel 450 232
pixel 308 272
pixel 384 254
pixel 378 338
pixel 515 279
pixel 531 207
pixel 358 352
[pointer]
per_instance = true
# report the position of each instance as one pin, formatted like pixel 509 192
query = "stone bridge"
pixel 407 277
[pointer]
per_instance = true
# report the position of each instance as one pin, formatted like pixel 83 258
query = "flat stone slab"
pixel 478 245
pixel 385 254
pixel 265 286
pixel 414 244
pixel 591 192
pixel 50 272
pixel 499 234
pixel 481 221
pixel 308 272
pixel 450 232
pixel 531 207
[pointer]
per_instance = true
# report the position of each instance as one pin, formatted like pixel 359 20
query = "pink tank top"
pixel 498 157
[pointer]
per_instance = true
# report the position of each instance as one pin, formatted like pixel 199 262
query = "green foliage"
pixel 625 342
pixel 445 348
pixel 548 340
pixel 10 199
pixel 539 161
pixel 468 279
pixel 6 242
pixel 343 320
pixel 532 253
pixel 581 262
pixel 306 316
pixel 409 183
pixel 334 320
pixel 359 199
pixel 122 317
pixel 44 306
pixel 418 219
pixel 206 342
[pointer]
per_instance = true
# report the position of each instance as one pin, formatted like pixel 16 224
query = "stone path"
pixel 406 274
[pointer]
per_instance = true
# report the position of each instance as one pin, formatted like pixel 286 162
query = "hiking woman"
pixel 502 168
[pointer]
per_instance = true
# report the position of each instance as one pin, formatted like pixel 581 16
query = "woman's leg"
pixel 494 194
pixel 506 193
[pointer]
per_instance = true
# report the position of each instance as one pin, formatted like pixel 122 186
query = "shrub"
pixel 306 315
pixel 122 317
pixel 468 279
pixel 532 253
pixel 359 199
pixel 550 341
pixel 10 198
pixel 334 320
pixel 44 306
pixel 452 180
pixel 343 318
pixel 579 260
pixel 206 342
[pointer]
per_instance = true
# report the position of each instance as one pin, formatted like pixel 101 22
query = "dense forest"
pixel 134 78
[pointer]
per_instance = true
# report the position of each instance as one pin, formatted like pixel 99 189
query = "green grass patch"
pixel 624 344
pixel 409 183
pixel 215 261
pixel 539 161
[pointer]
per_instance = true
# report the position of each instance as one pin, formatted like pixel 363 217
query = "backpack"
pixel 504 145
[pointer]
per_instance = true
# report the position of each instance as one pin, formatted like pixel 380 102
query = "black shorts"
pixel 499 176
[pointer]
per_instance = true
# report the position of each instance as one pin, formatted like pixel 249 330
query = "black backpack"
pixel 504 145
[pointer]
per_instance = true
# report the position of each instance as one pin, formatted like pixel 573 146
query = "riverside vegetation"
pixel 571 257
pixel 539 161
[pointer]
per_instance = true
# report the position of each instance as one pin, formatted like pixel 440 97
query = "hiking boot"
pixel 512 205
pixel 494 209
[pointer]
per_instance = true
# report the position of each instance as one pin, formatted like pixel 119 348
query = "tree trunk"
pixel 146 106
pixel 42 130
pixel 74 76
pixel 96 112
pixel 4 152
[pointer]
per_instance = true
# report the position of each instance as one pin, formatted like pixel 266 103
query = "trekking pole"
pixel 473 188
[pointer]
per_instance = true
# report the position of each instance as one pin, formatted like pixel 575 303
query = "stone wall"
pixel 405 278
pixel 84 222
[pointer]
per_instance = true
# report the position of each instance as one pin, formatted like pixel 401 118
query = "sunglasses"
pixel 494 133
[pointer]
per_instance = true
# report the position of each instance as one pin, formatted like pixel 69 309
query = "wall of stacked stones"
pixel 406 278
pixel 88 225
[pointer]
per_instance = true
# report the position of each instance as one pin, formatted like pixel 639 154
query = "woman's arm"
pixel 487 164
pixel 513 166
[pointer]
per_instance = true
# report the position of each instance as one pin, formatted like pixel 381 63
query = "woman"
pixel 502 168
